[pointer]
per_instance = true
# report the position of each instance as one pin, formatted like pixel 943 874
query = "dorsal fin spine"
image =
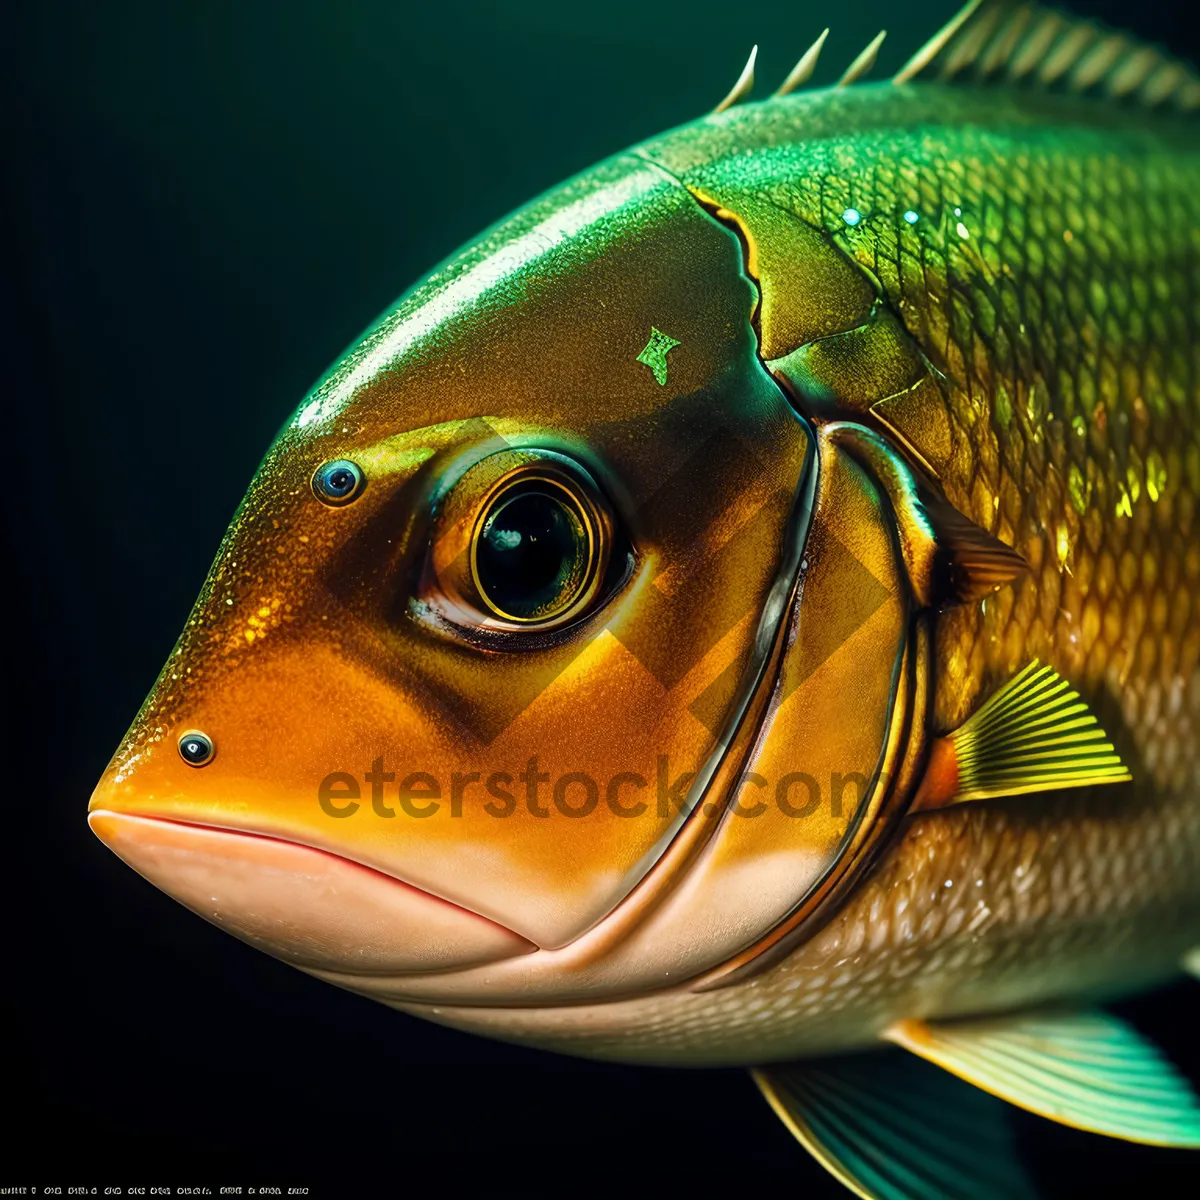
pixel 1003 45
pixel 968 45
pixel 801 73
pixel 1094 66
pixel 744 85
pixel 1024 43
pixel 926 54
pixel 864 62
pixel 1038 41
pixel 1060 60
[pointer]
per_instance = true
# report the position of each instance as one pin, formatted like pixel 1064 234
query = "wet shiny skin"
pixel 1048 381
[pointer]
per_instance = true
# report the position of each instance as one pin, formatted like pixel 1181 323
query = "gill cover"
pixel 646 751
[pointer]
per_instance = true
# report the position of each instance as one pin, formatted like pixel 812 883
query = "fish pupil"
pixel 531 558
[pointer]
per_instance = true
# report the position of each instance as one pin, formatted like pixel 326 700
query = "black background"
pixel 207 202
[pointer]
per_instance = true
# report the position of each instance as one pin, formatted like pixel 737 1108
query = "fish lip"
pixel 288 841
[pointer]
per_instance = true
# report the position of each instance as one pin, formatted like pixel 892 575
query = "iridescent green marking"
pixel 655 354
pixel 1080 490
pixel 1003 406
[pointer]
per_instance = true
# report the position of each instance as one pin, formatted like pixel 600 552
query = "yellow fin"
pixel 891 1127
pixel 1089 1070
pixel 1010 42
pixel 1035 734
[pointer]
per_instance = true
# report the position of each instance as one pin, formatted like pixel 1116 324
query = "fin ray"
pixel 891 1127
pixel 1015 42
pixel 978 563
pixel 1035 734
pixel 1089 1070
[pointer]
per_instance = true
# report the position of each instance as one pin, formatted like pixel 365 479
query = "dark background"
pixel 207 202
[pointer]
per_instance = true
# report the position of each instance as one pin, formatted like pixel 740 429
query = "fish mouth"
pixel 310 907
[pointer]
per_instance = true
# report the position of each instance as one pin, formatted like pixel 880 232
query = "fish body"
pixel 1042 224
pixel 740 609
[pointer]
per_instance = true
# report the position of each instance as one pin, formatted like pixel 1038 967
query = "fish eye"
pixel 338 482
pixel 196 748
pixel 531 552
pixel 525 543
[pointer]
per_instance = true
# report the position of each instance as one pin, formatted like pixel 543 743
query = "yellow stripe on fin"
pixel 1088 1070
pixel 1034 735
pixel 891 1127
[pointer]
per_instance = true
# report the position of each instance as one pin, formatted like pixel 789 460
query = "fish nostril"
pixel 196 749
pixel 338 482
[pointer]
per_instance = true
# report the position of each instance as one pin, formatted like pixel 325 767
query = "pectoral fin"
pixel 1035 734
pixel 976 563
pixel 949 559
pixel 890 1127
pixel 1089 1070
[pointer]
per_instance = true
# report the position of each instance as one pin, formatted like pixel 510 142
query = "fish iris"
pixel 532 554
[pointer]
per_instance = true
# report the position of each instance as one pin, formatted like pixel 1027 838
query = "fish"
pixel 741 611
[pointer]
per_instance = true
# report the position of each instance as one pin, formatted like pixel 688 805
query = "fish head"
pixel 503 570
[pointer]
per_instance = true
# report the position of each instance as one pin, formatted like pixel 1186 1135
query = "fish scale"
pixel 1046 897
pixel 949 333
pixel 1041 389
pixel 1068 355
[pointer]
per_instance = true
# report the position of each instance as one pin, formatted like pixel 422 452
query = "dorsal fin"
pixel 1007 41
pixel 864 62
pixel 802 71
pixel 743 87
